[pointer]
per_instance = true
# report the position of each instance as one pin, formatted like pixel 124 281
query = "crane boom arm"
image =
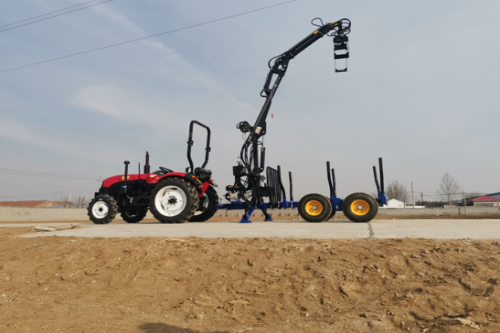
pixel 278 65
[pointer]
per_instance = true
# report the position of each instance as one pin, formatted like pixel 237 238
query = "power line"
pixel 43 194
pixel 47 16
pixel 143 38
pixel 45 174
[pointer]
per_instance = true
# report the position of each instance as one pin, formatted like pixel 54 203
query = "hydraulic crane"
pixel 248 190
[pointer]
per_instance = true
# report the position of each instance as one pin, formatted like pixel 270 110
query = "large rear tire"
pixel 210 204
pixel 102 209
pixel 360 207
pixel 131 215
pixel 315 208
pixel 173 200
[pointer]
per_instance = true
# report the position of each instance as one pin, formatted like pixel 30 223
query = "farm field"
pixel 188 285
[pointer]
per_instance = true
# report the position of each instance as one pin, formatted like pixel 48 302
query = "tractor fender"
pixel 186 176
pixel 182 175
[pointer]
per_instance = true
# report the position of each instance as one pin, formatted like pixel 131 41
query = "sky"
pixel 421 91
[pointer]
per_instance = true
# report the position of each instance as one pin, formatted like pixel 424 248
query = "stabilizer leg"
pixel 266 215
pixel 247 215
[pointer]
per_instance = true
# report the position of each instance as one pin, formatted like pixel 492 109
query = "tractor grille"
pixel 274 187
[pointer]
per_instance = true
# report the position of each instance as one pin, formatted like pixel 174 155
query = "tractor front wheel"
pixel 173 201
pixel 315 208
pixel 133 215
pixel 102 209
pixel 360 207
pixel 210 205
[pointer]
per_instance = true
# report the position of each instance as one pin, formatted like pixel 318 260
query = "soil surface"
pixel 190 285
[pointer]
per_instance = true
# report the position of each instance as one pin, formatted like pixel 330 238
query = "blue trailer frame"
pixel 285 204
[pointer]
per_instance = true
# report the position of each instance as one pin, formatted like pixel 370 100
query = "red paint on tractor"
pixel 203 188
pixel 117 179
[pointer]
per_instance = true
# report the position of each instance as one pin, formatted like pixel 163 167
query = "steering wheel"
pixel 165 170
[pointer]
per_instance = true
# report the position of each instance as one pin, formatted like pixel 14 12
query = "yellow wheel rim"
pixel 314 207
pixel 360 207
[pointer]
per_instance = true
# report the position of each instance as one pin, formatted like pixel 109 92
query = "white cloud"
pixel 109 100
pixel 29 135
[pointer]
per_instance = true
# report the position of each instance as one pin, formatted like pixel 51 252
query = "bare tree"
pixel 79 201
pixel 62 200
pixel 449 190
pixel 396 190
pixel 473 195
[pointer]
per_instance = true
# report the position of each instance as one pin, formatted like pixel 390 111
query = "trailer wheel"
pixel 102 209
pixel 333 210
pixel 315 208
pixel 132 215
pixel 173 201
pixel 360 207
pixel 210 203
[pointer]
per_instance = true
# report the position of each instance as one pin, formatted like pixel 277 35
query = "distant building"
pixel 486 201
pixel 393 203
pixel 31 203
pixel 494 195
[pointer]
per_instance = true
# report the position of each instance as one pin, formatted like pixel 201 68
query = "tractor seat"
pixel 202 172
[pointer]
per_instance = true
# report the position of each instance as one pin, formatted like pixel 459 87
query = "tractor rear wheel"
pixel 133 215
pixel 210 204
pixel 173 200
pixel 315 208
pixel 102 209
pixel 360 207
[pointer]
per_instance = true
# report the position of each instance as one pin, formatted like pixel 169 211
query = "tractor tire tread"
pixel 192 193
pixel 213 206
pixel 112 206
pixel 141 214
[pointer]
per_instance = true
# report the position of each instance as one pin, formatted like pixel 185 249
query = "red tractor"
pixel 172 197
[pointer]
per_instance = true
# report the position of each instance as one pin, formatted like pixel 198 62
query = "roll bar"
pixel 190 143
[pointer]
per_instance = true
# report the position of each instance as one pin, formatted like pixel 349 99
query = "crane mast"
pixel 248 173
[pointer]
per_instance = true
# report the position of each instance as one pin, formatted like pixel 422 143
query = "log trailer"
pixel 176 197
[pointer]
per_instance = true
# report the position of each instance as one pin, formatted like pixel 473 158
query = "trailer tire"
pixel 360 207
pixel 102 209
pixel 332 214
pixel 134 216
pixel 211 204
pixel 174 200
pixel 315 208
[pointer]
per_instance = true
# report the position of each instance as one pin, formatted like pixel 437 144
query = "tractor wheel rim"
pixel 100 209
pixel 314 207
pixel 205 204
pixel 360 207
pixel 170 201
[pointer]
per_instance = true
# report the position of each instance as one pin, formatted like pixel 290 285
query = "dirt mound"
pixel 247 285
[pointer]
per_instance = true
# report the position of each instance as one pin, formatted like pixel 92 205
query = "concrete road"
pixel 439 229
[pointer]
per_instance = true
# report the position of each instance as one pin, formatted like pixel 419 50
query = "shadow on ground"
pixel 164 328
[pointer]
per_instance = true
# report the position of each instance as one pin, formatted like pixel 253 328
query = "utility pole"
pixel 422 199
pixel 412 196
pixel 465 205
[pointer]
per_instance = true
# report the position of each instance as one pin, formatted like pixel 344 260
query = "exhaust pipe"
pixel 124 187
pixel 146 166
